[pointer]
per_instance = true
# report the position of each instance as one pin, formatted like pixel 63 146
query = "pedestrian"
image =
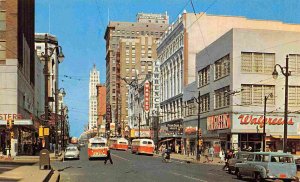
pixel 227 157
pixel 249 149
pixel 206 153
pixel 211 153
pixel 108 157
pixel 244 148
pixel 222 156
pixel 177 148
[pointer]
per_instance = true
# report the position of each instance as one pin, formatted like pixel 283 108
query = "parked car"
pixel 268 165
pixel 238 158
pixel 72 152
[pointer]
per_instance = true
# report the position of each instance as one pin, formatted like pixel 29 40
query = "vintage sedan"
pixel 72 152
pixel 268 165
pixel 238 158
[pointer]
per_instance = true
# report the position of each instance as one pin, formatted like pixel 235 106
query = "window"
pixel 222 67
pixel 294 95
pixel 203 77
pixel 204 103
pixel 2 50
pixel 254 94
pixel 257 62
pixel 222 98
pixel 294 64
pixel 114 68
pixel 2 20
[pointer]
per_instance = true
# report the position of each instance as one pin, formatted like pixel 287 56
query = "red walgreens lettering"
pixel 259 120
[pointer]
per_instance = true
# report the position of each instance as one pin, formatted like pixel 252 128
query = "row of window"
pixel 137 32
pixel 222 69
pixel 172 47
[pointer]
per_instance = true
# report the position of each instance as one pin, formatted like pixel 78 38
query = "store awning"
pixel 166 140
pixel 289 137
pixel 19 122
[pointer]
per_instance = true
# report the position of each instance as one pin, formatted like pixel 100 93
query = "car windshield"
pixel 71 149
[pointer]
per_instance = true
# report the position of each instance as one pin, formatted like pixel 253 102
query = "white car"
pixel 72 153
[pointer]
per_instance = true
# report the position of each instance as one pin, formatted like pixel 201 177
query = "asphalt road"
pixel 141 168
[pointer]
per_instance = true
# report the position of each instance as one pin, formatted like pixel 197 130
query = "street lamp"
pixel 46 55
pixel 285 71
pixel 264 129
pixel 198 127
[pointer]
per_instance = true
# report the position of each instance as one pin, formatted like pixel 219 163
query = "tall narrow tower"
pixel 94 80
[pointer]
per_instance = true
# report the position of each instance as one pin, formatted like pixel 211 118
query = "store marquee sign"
pixel 147 96
pixel 218 122
pixel 190 130
pixel 13 116
pixel 259 120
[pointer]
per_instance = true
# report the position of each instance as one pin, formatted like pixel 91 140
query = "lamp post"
pixel 264 129
pixel 285 71
pixel 198 128
pixel 46 55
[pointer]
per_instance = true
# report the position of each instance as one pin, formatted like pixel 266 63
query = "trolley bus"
pixel 118 143
pixel 97 147
pixel 142 146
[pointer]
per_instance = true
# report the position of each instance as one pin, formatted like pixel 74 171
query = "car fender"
pixel 262 170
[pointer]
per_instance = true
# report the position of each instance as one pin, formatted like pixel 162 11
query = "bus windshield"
pixel 95 145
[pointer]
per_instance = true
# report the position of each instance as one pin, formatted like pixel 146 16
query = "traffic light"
pixel 12 135
pixel 200 142
pixel 10 123
pixel 200 133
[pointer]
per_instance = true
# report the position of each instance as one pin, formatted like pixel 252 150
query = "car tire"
pixel 238 174
pixel 229 171
pixel 258 177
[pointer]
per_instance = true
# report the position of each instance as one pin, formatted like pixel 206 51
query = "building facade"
pixel 177 50
pixel 17 74
pixel 101 104
pixel 130 50
pixel 94 80
pixel 233 82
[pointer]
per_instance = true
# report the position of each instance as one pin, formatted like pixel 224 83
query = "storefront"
pixel 170 134
pixel 239 130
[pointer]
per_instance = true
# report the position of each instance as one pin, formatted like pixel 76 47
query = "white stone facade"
pixel 94 80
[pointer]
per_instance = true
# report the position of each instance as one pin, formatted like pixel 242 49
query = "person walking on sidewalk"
pixel 108 157
pixel 211 153
pixel 228 156
pixel 206 153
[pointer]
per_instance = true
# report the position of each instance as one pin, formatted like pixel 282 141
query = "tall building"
pixel 94 80
pixel 234 81
pixel 177 50
pixel 17 72
pixel 130 50
pixel 53 64
pixel 101 101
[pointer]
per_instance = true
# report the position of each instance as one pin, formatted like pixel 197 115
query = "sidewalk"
pixel 192 159
pixel 27 169
pixel 26 173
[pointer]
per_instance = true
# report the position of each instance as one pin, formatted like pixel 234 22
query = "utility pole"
pixel 46 73
pixel 286 73
pixel 198 128
pixel 264 128
pixel 139 125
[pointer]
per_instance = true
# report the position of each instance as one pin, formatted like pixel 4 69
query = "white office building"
pixel 94 80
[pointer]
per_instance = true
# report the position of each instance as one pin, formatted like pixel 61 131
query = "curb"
pixel 192 161
pixel 55 177
pixel 48 177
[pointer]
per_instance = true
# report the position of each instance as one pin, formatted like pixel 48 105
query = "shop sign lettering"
pixel 259 120
pixel 218 122
pixel 13 116
pixel 147 96
pixel 190 130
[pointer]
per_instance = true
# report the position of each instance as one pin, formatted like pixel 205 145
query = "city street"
pixel 131 167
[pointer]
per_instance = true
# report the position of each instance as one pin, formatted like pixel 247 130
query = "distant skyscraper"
pixel 94 80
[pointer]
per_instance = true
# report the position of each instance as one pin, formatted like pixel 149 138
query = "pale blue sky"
pixel 80 25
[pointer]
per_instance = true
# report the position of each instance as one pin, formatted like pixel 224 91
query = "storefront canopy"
pixel 289 137
pixel 19 122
